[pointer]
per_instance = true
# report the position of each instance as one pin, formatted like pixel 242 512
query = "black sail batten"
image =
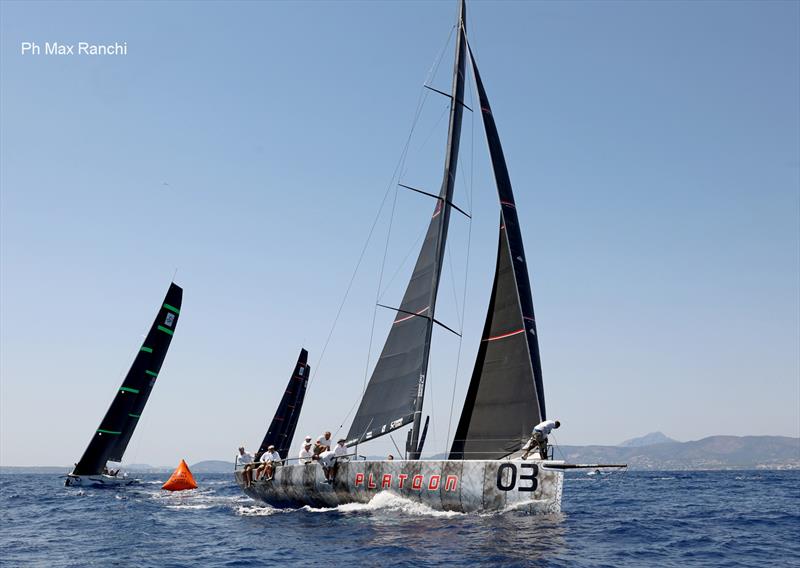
pixel 394 395
pixel 505 397
pixel 284 424
pixel 112 436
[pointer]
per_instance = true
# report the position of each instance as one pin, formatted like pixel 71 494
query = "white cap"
pixel 308 437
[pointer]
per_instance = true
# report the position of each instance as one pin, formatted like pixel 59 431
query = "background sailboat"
pixel 111 438
pixel 284 423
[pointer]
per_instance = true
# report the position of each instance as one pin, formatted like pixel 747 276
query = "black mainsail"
pixel 505 397
pixel 393 398
pixel 284 423
pixel 112 436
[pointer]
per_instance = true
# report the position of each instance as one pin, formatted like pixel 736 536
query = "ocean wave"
pixel 386 501
pixel 256 511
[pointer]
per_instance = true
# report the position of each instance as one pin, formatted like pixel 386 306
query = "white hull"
pixel 444 485
pixel 98 481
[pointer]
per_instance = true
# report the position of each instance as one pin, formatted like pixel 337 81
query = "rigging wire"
pixel 400 267
pixel 398 168
pixel 459 312
pixel 434 128
pixel 378 288
pixel 420 103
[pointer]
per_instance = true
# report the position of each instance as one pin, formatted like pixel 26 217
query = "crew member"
pixel 306 455
pixel 323 443
pixel 269 461
pixel 539 438
pixel 245 459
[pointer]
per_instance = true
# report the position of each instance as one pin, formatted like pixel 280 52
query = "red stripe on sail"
pixel 408 317
pixel 509 334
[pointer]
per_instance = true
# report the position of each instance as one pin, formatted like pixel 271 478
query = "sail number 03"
pixel 527 480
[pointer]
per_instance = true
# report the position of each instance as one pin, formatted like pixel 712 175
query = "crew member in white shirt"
pixel 330 459
pixel 340 450
pixel 323 443
pixel 269 461
pixel 539 438
pixel 245 459
pixel 306 455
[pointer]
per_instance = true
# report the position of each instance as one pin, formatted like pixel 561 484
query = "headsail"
pixel 505 398
pixel 284 423
pixel 393 398
pixel 111 438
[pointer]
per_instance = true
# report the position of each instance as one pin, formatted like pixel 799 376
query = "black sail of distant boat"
pixel 505 397
pixel 393 397
pixel 112 436
pixel 284 423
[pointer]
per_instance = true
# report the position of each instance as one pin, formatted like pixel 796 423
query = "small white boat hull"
pixel 98 481
pixel 444 485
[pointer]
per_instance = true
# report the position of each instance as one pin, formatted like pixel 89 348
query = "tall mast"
pixel 446 195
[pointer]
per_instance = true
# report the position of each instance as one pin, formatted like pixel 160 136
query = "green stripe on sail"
pixel 165 330
pixel 151 373
pixel 128 389
pixel 172 308
pixel 109 432
pixel 146 349
pixel 135 415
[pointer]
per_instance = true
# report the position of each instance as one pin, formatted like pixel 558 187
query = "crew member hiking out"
pixel 269 461
pixel 539 438
pixel 245 459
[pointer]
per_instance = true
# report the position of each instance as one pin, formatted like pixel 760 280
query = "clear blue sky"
pixel 654 149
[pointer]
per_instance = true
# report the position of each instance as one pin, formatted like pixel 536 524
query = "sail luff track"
pixel 505 397
pixel 284 424
pixel 395 393
pixel 111 438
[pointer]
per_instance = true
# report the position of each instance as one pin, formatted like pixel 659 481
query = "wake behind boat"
pixel 111 438
pixel 485 469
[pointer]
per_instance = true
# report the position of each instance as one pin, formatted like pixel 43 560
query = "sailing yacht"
pixel 505 398
pixel 112 436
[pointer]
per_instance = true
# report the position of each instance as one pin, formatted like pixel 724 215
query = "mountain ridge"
pixel 711 452
pixel 647 440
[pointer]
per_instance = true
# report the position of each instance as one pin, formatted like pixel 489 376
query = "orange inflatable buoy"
pixel 180 479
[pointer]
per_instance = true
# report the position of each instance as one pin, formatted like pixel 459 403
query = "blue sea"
pixel 726 518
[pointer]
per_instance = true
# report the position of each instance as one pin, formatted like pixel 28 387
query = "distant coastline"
pixel 711 453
